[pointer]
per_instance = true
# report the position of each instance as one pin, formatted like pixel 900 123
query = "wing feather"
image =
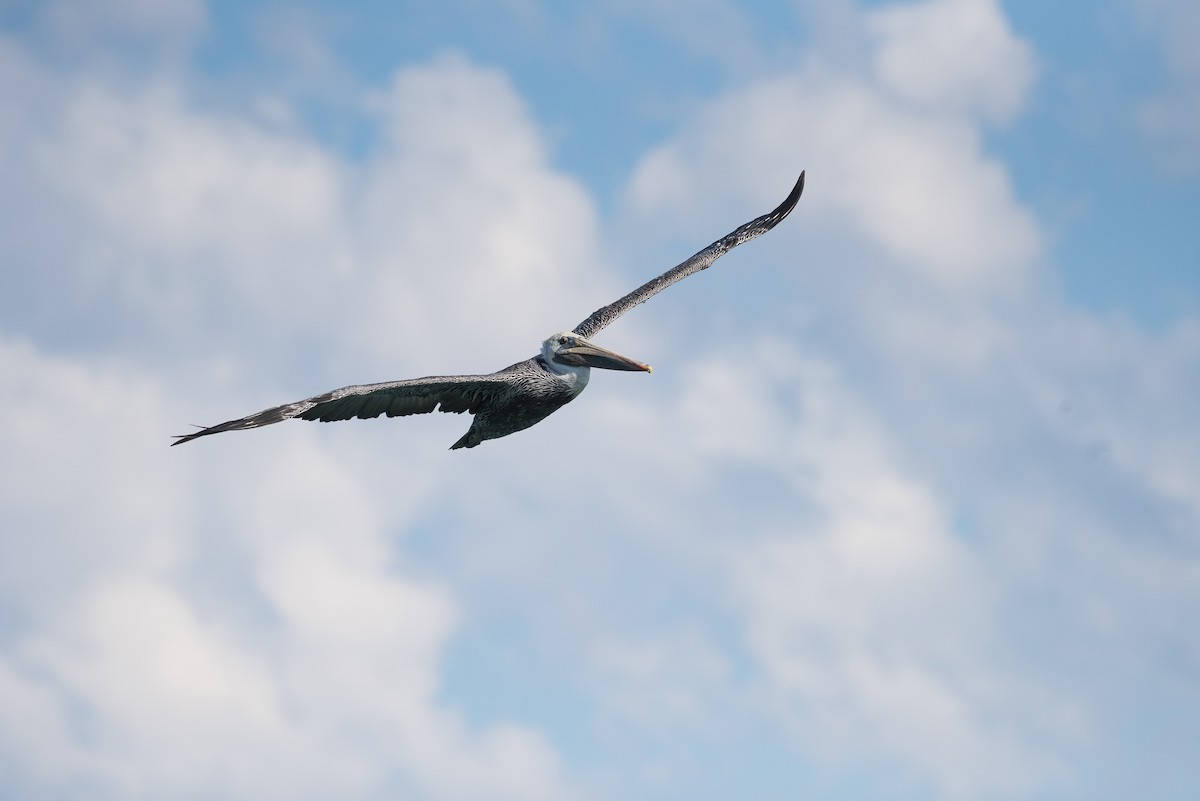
pixel 461 393
pixel 702 260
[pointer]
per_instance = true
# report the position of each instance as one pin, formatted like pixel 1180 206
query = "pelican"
pixel 518 396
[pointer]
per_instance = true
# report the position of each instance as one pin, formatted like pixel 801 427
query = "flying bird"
pixel 518 396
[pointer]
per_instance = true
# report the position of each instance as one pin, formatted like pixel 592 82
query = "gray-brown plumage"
pixel 520 395
pixel 701 261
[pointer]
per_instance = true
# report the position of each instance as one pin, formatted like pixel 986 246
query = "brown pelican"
pixel 518 396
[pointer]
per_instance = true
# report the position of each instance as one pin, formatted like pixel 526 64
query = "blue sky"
pixel 907 510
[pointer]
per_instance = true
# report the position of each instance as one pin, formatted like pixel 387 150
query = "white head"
pixel 566 351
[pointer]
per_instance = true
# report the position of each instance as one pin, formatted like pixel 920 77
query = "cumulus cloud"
pixel 894 506
pixel 472 242
pixel 171 215
pixel 872 620
pixel 130 678
pixel 917 185
pixel 182 213
pixel 956 56
pixel 932 478
pixel 140 663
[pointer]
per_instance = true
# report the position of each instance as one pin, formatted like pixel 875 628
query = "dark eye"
pixel 562 340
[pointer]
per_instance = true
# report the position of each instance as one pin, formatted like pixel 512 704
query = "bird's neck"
pixel 576 378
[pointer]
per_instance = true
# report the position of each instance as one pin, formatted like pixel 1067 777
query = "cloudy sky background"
pixel 909 508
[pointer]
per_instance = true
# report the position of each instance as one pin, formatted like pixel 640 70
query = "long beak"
pixel 585 353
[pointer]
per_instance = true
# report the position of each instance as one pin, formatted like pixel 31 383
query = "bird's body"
pixel 521 394
pixel 532 392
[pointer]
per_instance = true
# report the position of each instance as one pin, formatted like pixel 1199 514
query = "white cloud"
pixel 870 618
pixel 455 237
pixel 934 542
pixel 168 701
pixel 909 569
pixel 917 494
pixel 956 56
pixel 134 201
pixel 474 244
pixel 69 429
pixel 917 185
pixel 138 683
pixel 146 665
pixel 895 150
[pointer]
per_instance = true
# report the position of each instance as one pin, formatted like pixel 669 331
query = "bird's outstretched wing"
pixel 602 317
pixel 459 393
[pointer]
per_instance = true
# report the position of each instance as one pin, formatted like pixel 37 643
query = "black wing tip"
pixel 182 438
pixel 789 203
pixel 772 218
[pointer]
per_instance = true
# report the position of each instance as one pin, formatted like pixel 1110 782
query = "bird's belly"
pixel 509 418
